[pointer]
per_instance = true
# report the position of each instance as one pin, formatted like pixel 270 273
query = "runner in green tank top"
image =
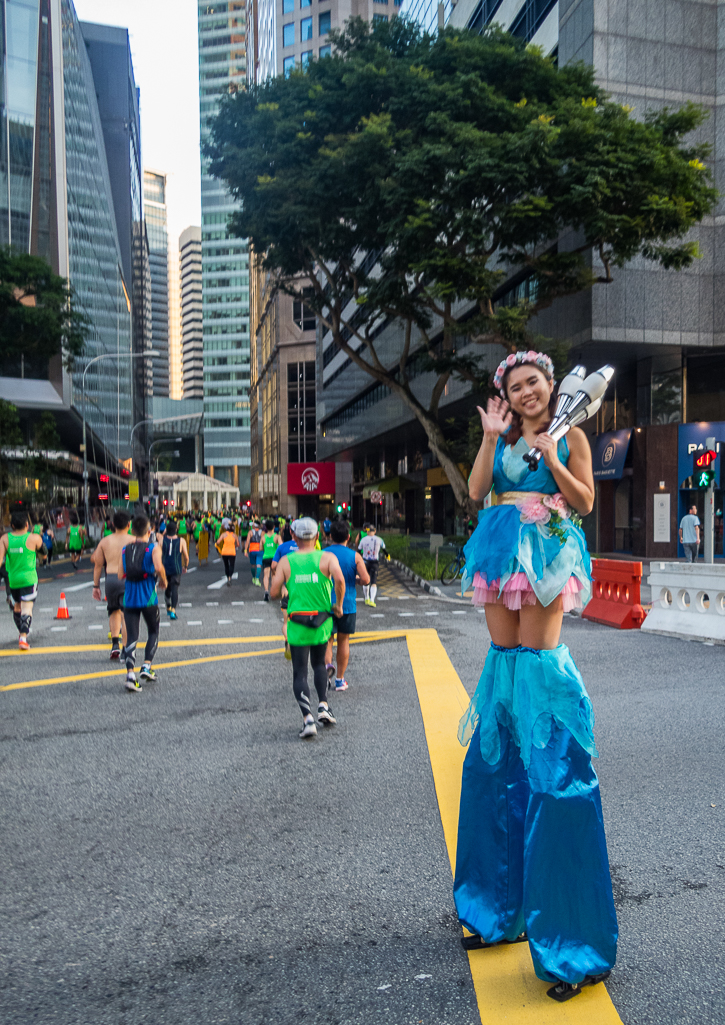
pixel 308 577
pixel 270 543
pixel 76 534
pixel 182 528
pixel 18 552
pixel 38 528
pixel 106 529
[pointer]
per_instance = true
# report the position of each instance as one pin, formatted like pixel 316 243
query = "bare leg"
pixel 503 625
pixel 117 623
pixel 541 625
pixel 328 653
pixel 284 623
pixel 267 574
pixel 343 654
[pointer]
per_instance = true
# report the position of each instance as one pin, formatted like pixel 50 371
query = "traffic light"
pixel 704 478
pixel 103 478
pixel 156 487
pixel 339 508
pixel 166 502
pixel 703 470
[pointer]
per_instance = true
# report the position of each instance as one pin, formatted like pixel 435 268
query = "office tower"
pixel 56 201
pixel 154 199
pixel 225 262
pixel 192 337
pixel 175 366
pixel 109 52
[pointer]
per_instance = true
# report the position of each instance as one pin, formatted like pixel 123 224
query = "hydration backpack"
pixel 135 555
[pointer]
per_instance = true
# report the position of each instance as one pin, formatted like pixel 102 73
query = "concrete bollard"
pixel 688 601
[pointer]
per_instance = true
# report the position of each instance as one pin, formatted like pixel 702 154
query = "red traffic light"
pixel 166 502
pixel 704 459
pixel 103 478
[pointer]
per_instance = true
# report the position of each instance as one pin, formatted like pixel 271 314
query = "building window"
pixel 306 58
pixel 531 18
pixel 302 315
pixel 379 17
pixel 301 412
pixel 288 34
pixel 288 6
pixel 325 23
pixel 380 2
pixel 306 29
pixel 289 63
pixel 305 3
pixel 325 51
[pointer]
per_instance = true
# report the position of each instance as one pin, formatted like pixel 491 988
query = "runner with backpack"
pixel 141 564
pixel 175 559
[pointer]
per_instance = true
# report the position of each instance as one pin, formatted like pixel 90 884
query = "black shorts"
pixel 345 624
pixel 27 593
pixel 371 565
pixel 266 563
pixel 115 590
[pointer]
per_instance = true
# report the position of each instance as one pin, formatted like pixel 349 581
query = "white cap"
pixel 226 523
pixel 305 528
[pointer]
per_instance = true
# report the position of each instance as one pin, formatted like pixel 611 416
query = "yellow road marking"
pixel 60 649
pixel 506 988
pixel 47 682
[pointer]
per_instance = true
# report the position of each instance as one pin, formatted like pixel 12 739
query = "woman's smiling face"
pixel 528 391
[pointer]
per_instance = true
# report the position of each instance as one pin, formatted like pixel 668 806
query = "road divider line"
pixel 503 977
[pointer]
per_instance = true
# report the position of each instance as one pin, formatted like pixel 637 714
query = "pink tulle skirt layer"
pixel 517 591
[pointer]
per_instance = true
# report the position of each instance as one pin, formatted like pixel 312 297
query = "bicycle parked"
pixel 454 569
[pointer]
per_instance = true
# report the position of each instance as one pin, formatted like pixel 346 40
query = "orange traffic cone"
pixel 63 612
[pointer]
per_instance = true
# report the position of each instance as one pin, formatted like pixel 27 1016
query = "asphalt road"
pixel 180 856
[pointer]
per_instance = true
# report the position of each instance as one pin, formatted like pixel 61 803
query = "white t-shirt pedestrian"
pixel 370 546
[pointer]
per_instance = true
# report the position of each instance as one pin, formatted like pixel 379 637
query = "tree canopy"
pixel 38 316
pixel 408 176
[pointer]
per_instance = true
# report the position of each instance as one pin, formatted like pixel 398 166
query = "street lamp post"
pixel 162 441
pixel 163 420
pixel 104 355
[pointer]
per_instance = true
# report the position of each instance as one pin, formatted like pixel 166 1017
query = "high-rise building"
pixel 154 199
pixel 225 261
pixel 57 202
pixel 109 52
pixel 192 336
pixel 175 364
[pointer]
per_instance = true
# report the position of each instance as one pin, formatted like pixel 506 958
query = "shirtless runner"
pixel 108 555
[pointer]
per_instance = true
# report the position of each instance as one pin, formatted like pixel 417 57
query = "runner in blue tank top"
pixel 352 566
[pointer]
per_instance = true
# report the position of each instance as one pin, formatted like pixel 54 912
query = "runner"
pixel 284 549
pixel 227 546
pixel 107 529
pixel 287 530
pixel 38 527
pixel 141 564
pixel 197 533
pixel 308 576
pixel 183 529
pixel 76 536
pixel 175 558
pixel 371 546
pixel 48 536
pixel 326 524
pixel 352 566
pixel 253 549
pixel 108 555
pixel 270 543
pixel 18 553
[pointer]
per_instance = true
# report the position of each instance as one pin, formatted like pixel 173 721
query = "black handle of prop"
pixel 532 460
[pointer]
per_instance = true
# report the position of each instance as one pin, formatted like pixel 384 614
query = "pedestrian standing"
pixel 227 545
pixel 353 568
pixel 371 546
pixel 141 565
pixel 270 543
pixel 308 576
pixel 690 533
pixel 175 559
pixel 531 862
pixel 76 537
pixel 109 556
pixel 19 550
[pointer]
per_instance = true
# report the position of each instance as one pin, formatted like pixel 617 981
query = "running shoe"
pixel 132 683
pixel 115 654
pixel 308 730
pixel 147 673
pixel 372 604
pixel 325 716
pixel 287 651
pixel 266 595
pixel 340 684
pixel 172 615
pixel 229 581
pixel 330 672
pixel 23 644
pixel 368 602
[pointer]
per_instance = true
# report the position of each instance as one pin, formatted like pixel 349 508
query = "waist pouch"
pixel 311 619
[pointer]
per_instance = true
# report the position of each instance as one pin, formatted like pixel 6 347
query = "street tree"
pixel 408 176
pixel 39 317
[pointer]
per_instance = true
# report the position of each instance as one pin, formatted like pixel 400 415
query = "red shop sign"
pixel 310 478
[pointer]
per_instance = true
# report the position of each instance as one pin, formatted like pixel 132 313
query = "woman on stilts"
pixel 532 859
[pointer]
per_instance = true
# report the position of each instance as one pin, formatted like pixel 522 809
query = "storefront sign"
pixel 133 490
pixel 609 454
pixel 310 478
pixel 662 519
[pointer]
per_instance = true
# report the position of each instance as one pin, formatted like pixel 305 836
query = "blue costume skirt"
pixel 531 848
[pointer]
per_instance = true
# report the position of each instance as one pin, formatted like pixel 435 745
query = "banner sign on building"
pixel 310 478
pixel 609 453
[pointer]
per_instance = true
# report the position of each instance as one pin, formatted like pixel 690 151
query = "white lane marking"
pixel 223 621
pixel 380 598
pixel 76 608
pixel 95 626
pixel 215 561
pixel 193 622
pixel 256 620
pixel 192 569
pixel 459 612
pixel 185 605
pixel 431 613
pixel 404 597
pixel 55 629
pixel 77 587
pixel 218 584
pixel 406 613
pixel 212 603
pixel 379 615
pixel 165 624
pixel 237 603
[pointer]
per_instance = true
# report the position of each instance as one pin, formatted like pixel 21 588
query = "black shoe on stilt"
pixel 476 943
pixel 563 991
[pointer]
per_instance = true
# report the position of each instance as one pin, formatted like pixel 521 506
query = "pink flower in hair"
pixel 532 356
pixel 533 510
pixel 558 504
pixel 511 360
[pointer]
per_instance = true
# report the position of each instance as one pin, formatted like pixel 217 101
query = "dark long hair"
pixel 515 430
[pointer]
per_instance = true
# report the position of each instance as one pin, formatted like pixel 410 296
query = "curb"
pixel 426 584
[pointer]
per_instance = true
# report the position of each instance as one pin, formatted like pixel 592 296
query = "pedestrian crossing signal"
pixel 704 478
pixel 704 471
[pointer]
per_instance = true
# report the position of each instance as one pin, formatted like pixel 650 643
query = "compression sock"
pixel 16 620
pixel 373 591
pixel 366 591
pixel 115 643
pixel 25 621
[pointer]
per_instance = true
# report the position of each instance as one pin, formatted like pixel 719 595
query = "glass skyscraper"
pixel 56 202
pixel 154 201
pixel 225 262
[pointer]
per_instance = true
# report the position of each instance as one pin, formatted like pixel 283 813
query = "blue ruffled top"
pixel 502 545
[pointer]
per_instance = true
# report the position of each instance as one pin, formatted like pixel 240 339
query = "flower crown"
pixel 540 359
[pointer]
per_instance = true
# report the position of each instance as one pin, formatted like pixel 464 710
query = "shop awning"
pixel 609 452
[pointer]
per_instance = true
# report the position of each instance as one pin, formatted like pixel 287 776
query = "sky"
pixel 164 50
